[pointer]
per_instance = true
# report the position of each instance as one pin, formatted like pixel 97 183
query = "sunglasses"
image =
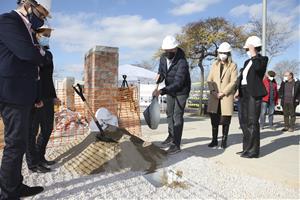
pixel 38 13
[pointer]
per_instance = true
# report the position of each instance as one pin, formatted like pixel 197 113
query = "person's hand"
pixel 39 104
pixel 155 93
pixel 236 95
pixel 221 95
pixel 57 101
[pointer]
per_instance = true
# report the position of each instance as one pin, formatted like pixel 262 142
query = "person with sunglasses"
pixel 20 59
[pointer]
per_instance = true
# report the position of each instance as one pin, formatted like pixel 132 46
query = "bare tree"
pixel 277 38
pixel 287 66
pixel 200 41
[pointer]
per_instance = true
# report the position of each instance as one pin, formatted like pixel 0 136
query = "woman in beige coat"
pixel 221 82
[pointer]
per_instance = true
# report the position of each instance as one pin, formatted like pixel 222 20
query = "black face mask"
pixel 170 55
pixel 35 21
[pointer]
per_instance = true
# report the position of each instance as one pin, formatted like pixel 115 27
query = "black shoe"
pixel 249 155
pixel 285 129
pixel 48 162
pixel 27 191
pixel 224 144
pixel 40 169
pixel 240 152
pixel 168 141
pixel 213 144
pixel 173 149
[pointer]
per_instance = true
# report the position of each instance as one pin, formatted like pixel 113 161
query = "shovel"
pixel 101 136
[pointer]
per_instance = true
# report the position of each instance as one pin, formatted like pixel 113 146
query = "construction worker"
pixel 43 117
pixel 19 61
pixel 221 82
pixel 251 90
pixel 174 70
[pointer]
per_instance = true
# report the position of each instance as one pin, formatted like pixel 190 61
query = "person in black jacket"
pixel 251 90
pixel 289 93
pixel 19 61
pixel 43 117
pixel 174 70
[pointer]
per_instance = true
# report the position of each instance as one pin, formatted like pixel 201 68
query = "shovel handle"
pixel 78 89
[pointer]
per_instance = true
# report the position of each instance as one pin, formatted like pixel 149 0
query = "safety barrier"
pixel 72 119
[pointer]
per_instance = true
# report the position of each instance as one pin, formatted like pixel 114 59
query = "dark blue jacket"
pixel 19 61
pixel 177 77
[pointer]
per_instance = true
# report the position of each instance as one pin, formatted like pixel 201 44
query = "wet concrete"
pixel 91 156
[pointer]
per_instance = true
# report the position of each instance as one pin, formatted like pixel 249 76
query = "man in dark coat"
pixel 174 70
pixel 19 61
pixel 251 91
pixel 289 93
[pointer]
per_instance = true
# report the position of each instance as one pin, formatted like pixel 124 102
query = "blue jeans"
pixel 267 109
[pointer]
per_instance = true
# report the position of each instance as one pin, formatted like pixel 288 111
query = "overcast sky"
pixel 137 27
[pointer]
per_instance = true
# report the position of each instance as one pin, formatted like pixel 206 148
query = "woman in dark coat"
pixel 251 90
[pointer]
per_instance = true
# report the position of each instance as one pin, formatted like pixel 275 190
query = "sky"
pixel 137 27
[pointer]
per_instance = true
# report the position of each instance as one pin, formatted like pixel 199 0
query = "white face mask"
pixel 249 54
pixel 285 78
pixel 271 78
pixel 223 57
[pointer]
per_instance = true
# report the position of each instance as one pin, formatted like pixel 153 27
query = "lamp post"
pixel 264 26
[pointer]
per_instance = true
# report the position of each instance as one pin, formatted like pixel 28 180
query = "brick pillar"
pixel 101 77
pixel 69 93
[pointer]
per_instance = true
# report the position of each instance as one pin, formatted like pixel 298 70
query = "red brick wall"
pixel 101 77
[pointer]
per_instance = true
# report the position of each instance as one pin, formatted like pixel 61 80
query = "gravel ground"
pixel 202 178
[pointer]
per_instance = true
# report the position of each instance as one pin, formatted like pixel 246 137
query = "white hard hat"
pixel 169 42
pixel 224 47
pixel 253 40
pixel 46 4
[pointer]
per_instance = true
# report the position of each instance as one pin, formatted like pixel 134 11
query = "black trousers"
pixel 175 111
pixel 217 119
pixel 16 121
pixel 250 113
pixel 289 113
pixel 42 119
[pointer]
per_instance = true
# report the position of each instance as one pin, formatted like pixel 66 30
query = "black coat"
pixel 256 73
pixel 19 60
pixel 296 92
pixel 177 77
pixel 46 86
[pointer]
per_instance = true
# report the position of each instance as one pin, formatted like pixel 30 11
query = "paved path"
pixel 279 160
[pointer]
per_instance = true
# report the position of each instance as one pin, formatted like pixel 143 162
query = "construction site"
pixel 134 167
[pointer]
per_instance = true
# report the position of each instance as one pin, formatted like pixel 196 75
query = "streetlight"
pixel 264 26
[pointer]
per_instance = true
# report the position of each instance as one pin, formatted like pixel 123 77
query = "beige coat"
pixel 225 84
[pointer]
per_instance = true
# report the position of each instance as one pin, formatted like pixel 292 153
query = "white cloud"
pixel 187 7
pixel 78 33
pixel 252 10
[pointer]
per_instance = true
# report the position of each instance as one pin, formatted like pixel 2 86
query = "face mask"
pixel 35 21
pixel 223 57
pixel 170 55
pixel 285 78
pixel 44 41
pixel 271 78
pixel 249 54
